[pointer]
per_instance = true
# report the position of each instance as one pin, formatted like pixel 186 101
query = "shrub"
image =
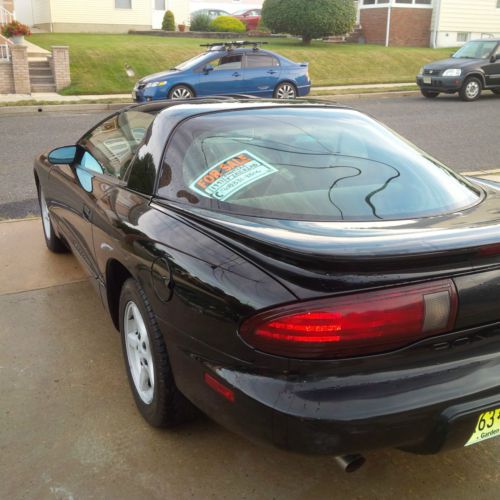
pixel 311 19
pixel 15 28
pixel 168 23
pixel 200 22
pixel 227 23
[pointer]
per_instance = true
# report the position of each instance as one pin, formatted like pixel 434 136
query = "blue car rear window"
pixel 306 163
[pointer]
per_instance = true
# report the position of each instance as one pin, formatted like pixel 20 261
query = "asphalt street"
pixel 465 136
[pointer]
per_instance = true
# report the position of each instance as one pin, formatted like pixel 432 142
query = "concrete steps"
pixel 41 77
pixel 354 37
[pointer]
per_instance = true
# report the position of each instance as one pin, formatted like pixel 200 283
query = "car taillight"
pixel 357 324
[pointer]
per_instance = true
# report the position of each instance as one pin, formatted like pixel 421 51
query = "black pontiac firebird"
pixel 297 271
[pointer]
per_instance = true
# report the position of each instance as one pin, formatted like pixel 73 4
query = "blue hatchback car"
pixel 228 68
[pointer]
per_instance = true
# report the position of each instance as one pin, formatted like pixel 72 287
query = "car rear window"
pixel 306 163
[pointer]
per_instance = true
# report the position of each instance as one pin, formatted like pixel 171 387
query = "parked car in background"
pixel 296 270
pixel 249 17
pixel 228 68
pixel 211 13
pixel 473 68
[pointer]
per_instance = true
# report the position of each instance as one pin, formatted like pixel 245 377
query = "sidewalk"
pixel 54 97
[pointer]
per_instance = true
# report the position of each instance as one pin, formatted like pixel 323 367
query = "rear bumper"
pixel 440 84
pixel 422 409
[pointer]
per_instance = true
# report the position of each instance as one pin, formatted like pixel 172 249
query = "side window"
pixel 260 61
pixel 228 62
pixel 113 143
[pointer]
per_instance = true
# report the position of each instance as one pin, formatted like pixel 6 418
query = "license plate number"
pixel 487 427
pixel 427 80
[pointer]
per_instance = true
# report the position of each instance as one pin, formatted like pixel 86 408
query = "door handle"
pixel 236 73
pixel 272 72
pixel 87 213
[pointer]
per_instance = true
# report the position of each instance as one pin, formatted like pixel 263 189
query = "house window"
pixel 498 4
pixel 123 4
pixel 373 2
pixel 414 2
pixel 462 36
pixel 159 4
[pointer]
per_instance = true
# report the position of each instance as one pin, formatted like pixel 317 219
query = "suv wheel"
pixel 471 89
pixel 430 94
pixel 496 91
pixel 146 359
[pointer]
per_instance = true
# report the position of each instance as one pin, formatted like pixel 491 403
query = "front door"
pixel 225 76
pixel 159 8
pixel 492 70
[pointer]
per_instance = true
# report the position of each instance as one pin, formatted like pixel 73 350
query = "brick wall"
pixel 409 27
pixel 374 23
pixel 6 78
pixel 60 67
pixel 19 57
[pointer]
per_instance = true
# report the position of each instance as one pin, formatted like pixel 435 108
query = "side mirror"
pixel 62 156
pixel 497 57
pixel 208 68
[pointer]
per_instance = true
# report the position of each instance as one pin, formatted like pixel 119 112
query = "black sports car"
pixel 296 270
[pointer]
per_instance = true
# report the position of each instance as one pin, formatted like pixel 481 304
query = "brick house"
pixel 424 23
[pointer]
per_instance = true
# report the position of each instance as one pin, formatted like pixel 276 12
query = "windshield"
pixel 475 50
pixel 306 163
pixel 191 63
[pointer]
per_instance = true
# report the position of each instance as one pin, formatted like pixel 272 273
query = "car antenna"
pixel 232 45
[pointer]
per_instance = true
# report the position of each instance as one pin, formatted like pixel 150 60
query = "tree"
pixel 168 23
pixel 309 18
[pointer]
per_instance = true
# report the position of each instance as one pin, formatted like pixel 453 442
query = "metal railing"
pixel 4 52
pixel 6 16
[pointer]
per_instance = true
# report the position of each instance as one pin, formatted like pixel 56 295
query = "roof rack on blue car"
pixel 232 45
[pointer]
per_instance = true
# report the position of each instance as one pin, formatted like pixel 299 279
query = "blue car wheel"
pixel 180 92
pixel 285 90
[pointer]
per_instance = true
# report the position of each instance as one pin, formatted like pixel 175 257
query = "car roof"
pixel 171 113
pixel 203 105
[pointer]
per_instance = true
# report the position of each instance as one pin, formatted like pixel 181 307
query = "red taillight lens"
pixel 352 325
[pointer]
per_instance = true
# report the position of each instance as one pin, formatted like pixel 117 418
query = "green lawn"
pixel 98 61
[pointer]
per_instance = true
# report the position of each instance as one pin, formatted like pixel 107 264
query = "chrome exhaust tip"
pixel 350 463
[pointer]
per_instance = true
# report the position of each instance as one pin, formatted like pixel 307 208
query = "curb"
pixel 367 95
pixel 81 108
pixel 55 108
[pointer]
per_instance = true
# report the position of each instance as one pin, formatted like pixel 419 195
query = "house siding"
pixel 479 16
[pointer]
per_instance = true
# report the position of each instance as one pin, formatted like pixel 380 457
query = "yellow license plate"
pixel 488 426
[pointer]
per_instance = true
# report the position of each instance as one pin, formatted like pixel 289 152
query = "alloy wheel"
pixel 140 359
pixel 45 215
pixel 285 91
pixel 181 93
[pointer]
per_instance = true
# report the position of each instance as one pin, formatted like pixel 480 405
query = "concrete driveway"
pixel 69 427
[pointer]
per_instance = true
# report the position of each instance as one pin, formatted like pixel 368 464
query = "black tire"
pixel 168 406
pixel 429 94
pixel 181 92
pixel 285 90
pixel 471 89
pixel 496 91
pixel 54 244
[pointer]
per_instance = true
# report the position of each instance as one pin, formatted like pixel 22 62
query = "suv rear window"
pixel 306 163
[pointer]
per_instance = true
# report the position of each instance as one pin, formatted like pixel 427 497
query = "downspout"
pixel 437 19
pixel 51 20
pixel 388 27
